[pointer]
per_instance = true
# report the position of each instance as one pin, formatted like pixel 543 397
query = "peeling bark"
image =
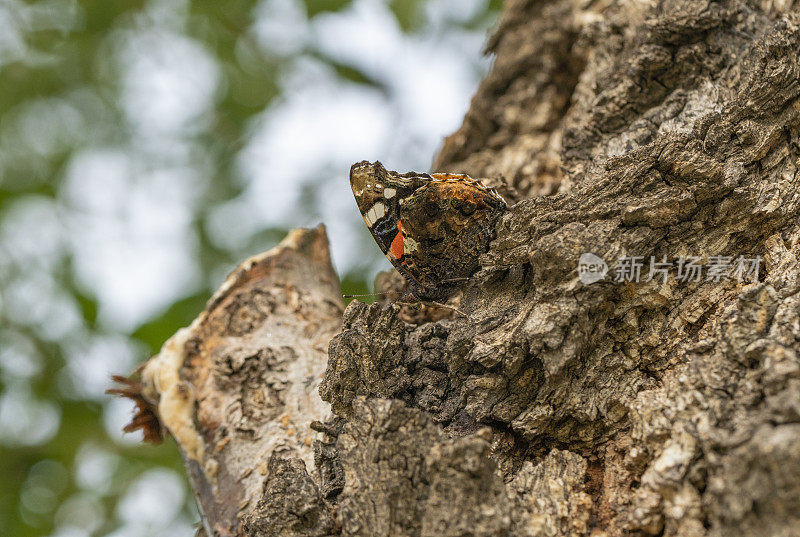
pixel 238 391
pixel 555 408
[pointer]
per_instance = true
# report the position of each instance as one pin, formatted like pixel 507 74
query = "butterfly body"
pixel 431 227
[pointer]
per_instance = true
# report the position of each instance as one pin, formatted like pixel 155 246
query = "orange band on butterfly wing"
pixel 397 247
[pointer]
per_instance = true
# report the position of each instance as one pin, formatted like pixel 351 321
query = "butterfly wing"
pixel 432 228
pixel 449 225
pixel 379 194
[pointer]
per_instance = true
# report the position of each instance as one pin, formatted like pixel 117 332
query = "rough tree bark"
pixel 555 408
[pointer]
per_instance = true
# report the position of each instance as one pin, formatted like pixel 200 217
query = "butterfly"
pixel 431 227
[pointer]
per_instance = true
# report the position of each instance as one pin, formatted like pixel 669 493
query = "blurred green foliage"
pixel 62 56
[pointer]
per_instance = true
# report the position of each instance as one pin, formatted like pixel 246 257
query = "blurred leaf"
pixel 98 16
pixel 408 13
pixel 180 314
pixel 88 306
pixel 264 240
pixel 231 17
pixel 347 72
pixel 20 82
pixel 315 7
pixel 356 284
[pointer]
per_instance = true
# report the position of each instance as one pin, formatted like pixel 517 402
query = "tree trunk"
pixel 556 407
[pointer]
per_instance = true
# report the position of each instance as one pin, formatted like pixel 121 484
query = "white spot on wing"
pixel 409 244
pixel 389 193
pixel 375 213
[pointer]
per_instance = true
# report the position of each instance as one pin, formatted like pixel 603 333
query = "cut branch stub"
pixel 238 388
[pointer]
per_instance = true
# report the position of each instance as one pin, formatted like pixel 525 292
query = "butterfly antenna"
pixel 367 294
